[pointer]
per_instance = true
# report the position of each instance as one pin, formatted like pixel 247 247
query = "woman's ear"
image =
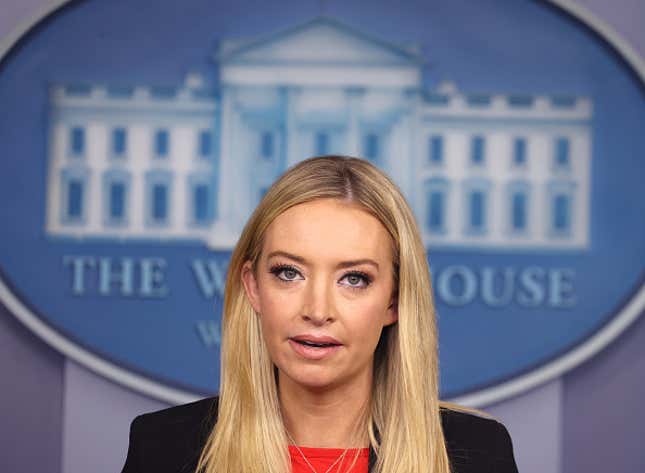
pixel 392 314
pixel 251 286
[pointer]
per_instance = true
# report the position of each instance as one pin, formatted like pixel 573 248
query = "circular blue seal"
pixel 137 137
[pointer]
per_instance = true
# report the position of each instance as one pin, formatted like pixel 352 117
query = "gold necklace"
pixel 342 455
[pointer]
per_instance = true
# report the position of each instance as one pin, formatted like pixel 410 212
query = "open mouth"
pixel 314 348
pixel 308 343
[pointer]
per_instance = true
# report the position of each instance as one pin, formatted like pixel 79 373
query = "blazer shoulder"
pixel 170 440
pixel 195 413
pixel 473 439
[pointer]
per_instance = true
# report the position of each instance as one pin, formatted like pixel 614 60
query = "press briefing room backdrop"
pixel 136 137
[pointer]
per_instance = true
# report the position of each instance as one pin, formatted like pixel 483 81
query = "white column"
pixel 139 160
pixel 226 163
pixel 294 153
pixel 353 130
pixel 96 143
pixel 54 191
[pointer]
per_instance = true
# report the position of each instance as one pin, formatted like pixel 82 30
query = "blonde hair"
pixel 403 422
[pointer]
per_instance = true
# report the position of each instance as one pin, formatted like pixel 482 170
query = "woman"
pixel 329 350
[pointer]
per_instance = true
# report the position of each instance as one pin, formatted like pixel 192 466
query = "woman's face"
pixel 323 289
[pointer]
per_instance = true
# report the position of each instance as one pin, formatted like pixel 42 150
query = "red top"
pixel 322 458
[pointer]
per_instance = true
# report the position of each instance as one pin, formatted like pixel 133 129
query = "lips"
pixel 314 348
pixel 316 341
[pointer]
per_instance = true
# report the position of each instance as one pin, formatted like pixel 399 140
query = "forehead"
pixel 329 228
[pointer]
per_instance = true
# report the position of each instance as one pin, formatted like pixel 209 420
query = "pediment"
pixel 320 41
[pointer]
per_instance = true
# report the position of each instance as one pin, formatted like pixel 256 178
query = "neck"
pixel 326 418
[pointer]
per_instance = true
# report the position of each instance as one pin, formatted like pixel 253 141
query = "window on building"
pixel 477 209
pixel 561 213
pixel 117 201
pixel 158 190
pixel 475 202
pixel 322 143
pixel 518 211
pixel 436 207
pixel 74 195
pixel 266 145
pixel 200 197
pixel 159 202
pixel 563 101
pixel 519 151
pixel 561 207
pixel 520 101
pixel 436 195
pixel 477 150
pixel 119 141
pixel 201 212
pixel 562 151
pixel 437 99
pixel 77 141
pixel 162 143
pixel 75 191
pixel 371 146
pixel 205 143
pixel 436 149
pixel 478 100
pixel 116 183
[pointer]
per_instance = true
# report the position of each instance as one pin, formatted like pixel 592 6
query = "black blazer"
pixel 170 441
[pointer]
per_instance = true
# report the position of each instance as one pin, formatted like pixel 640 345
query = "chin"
pixel 313 378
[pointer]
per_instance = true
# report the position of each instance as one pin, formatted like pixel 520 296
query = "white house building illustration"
pixel 188 162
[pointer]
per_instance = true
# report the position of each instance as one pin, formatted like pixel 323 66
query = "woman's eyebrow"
pixel 356 262
pixel 284 254
pixel 342 264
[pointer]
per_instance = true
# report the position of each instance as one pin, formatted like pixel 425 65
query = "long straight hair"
pixel 403 420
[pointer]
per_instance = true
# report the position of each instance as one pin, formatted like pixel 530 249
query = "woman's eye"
pixel 289 274
pixel 356 280
pixel 286 273
pixel 353 280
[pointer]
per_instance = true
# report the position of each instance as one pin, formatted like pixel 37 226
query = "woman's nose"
pixel 318 306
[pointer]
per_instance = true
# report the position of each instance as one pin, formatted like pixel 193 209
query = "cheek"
pixel 366 318
pixel 276 307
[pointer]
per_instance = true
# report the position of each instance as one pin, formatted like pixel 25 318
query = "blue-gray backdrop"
pixel 590 419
